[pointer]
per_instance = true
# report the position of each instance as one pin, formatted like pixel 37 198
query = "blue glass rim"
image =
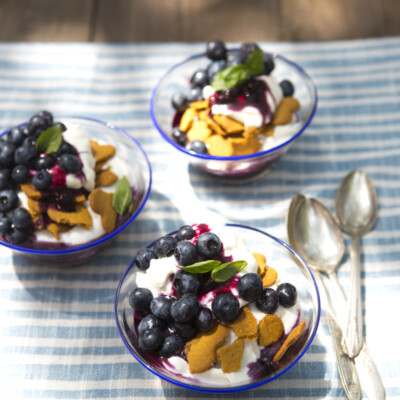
pixel 103 238
pixel 231 389
pixel 237 158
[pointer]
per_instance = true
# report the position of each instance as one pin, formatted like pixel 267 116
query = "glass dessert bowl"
pixel 265 146
pixel 64 188
pixel 261 362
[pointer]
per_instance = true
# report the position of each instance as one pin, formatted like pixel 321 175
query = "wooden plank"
pixel 45 20
pixel 391 17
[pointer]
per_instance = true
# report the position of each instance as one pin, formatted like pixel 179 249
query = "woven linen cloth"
pixel 58 337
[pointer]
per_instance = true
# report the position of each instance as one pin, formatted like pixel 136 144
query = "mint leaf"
pixel 231 77
pixel 122 197
pixel 227 271
pixel 201 267
pixel 255 63
pixel 49 141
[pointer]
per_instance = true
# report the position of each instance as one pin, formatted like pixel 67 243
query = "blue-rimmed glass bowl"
pixel 176 80
pixel 129 150
pixel 280 256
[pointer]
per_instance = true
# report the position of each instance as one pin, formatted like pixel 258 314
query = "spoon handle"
pixel 354 336
pixel 346 367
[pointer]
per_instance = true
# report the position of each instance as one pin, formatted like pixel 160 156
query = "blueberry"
pixel 185 253
pixel 37 124
pixel 17 236
pixel 5 224
pixel 42 180
pixel 185 232
pixel 214 68
pixel 150 321
pixel 204 319
pixel 161 307
pixel 45 162
pixel 269 64
pixel 208 245
pixel 184 329
pixel 185 308
pixel 165 246
pixel 179 136
pixel 151 339
pixel 247 49
pixel 216 50
pixel 47 116
pixel 29 141
pixel 287 88
pixel 143 258
pixel 250 286
pixel 66 148
pixel 233 59
pixel 20 173
pixel 17 135
pixel 173 345
pixel 198 147
pixel 8 200
pixel 287 295
pixel 25 155
pixel 199 78
pixel 180 102
pixel 140 299
pixel 267 301
pixel 5 179
pixel 21 219
pixel 225 307
pixel 70 164
pixel 7 150
pixel 195 94
pixel 185 282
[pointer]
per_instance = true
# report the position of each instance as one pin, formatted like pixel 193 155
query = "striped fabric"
pixel 58 335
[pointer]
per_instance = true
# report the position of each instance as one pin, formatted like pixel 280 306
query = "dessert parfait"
pixel 58 187
pixel 207 308
pixel 235 105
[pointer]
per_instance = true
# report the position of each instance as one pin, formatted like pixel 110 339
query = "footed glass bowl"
pixel 130 151
pixel 280 256
pixel 176 80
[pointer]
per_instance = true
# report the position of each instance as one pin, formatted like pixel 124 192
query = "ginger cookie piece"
pixel 215 127
pixel 203 114
pixel 243 146
pixel 31 191
pixel 187 119
pixel 105 177
pixel 80 216
pixel 283 114
pixel 250 131
pixel 290 340
pixel 199 131
pixel 270 330
pixel 245 325
pixel 202 351
pixel 80 198
pixel 101 203
pixel 231 356
pixel 218 146
pixel 262 263
pixel 267 130
pixel 99 165
pixel 199 105
pixel 36 213
pixel 269 277
pixel 229 125
pixel 102 152
pixel 56 229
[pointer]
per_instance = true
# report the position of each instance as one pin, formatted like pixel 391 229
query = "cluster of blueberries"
pixel 220 59
pixel 169 322
pixel 21 162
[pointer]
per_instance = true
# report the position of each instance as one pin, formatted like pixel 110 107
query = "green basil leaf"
pixel 227 271
pixel 201 267
pixel 49 141
pixel 231 77
pixel 255 63
pixel 122 197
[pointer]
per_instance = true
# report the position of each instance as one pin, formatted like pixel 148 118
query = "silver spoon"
pixel 356 209
pixel 314 234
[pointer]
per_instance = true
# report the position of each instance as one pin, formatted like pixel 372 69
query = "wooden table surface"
pixel 196 20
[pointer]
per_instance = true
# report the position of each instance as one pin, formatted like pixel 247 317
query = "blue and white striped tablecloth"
pixel 57 333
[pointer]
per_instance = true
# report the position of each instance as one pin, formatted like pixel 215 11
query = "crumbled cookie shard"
pixel 229 125
pixel 100 165
pixel 250 131
pixel 101 203
pixel 266 130
pixel 214 126
pixel 292 338
pixel 283 114
pixel 31 191
pixel 80 216
pixel 270 330
pixel 102 152
pixel 199 131
pixel 262 263
pixel 218 146
pixel 202 351
pixel 187 119
pixel 80 198
pixel 56 229
pixel 199 105
pixel 270 277
pixel 243 146
pixel 245 325
pixel 231 356
pixel 105 177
